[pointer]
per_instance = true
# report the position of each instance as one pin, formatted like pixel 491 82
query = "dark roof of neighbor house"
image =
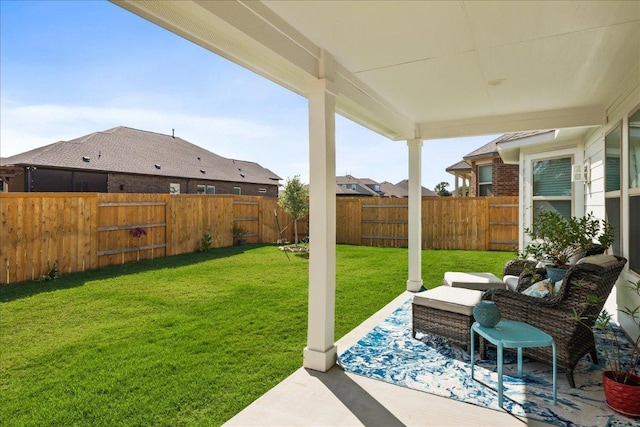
pixel 134 151
pixel 491 148
pixel 392 190
pixel 362 183
pixel 346 191
pixel 425 191
pixel 461 166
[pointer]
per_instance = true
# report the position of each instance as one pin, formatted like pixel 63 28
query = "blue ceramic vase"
pixel 487 314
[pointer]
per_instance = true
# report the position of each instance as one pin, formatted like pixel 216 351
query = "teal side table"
pixel 513 334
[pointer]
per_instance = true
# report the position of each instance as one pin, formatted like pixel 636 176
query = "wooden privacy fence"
pixel 82 231
pixel 479 223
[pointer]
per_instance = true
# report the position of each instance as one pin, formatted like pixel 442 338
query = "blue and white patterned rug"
pixel 430 364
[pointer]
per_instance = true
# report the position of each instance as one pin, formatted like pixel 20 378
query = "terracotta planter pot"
pixel 622 398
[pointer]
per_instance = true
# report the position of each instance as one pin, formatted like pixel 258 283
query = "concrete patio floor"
pixel 337 398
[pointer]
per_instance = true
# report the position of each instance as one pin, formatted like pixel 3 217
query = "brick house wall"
pixel 130 183
pixel 504 178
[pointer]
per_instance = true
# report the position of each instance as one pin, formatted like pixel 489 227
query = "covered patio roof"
pixel 413 71
pixel 429 69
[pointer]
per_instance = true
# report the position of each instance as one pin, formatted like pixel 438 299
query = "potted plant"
pixel 556 240
pixel 621 380
pixel 238 233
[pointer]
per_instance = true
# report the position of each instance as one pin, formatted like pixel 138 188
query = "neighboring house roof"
pixel 491 148
pixel 362 183
pixel 127 150
pixel 367 185
pixel 425 191
pixel 392 190
pixel 461 166
pixel 346 191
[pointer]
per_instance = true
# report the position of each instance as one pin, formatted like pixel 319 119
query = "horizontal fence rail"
pixel 82 231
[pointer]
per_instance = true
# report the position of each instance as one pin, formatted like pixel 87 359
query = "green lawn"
pixel 185 340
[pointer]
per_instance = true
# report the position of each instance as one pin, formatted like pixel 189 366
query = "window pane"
pixel 612 205
pixel 484 174
pixel 200 189
pixel 211 189
pixel 634 233
pixel 485 190
pixel 612 159
pixel 634 150
pixel 552 177
pixel 563 207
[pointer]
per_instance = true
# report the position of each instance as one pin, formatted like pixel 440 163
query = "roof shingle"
pixel 134 151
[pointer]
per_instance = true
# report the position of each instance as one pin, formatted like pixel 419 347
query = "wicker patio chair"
pixel 555 315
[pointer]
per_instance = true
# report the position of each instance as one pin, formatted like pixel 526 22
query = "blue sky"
pixel 70 68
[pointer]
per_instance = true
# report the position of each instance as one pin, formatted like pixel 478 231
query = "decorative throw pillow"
pixel 539 289
pixel 543 288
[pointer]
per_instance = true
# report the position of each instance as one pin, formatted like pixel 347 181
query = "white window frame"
pixel 212 188
pixel 201 189
pixel 262 190
pixel 526 171
pixel 237 191
pixel 630 192
pixel 615 194
pixel 484 183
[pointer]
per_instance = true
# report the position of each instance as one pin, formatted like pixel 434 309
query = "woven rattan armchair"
pixel 556 315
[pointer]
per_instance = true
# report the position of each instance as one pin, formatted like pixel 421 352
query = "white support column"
pixel 320 353
pixel 457 179
pixel 414 283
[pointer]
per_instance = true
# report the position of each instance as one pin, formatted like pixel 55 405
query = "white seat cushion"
pixel 511 281
pixel 478 281
pixel 454 300
pixel 601 260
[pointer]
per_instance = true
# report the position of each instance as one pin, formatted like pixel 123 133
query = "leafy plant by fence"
pixel 82 231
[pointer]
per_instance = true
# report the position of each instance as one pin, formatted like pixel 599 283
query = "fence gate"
pixel 246 218
pixel 385 223
pixel 131 227
pixel 503 224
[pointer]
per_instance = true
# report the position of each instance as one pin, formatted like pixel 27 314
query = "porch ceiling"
pixel 430 69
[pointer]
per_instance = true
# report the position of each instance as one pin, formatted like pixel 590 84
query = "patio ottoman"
pixel 446 312
pixel 477 281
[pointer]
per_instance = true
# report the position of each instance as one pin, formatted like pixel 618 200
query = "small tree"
pixel 295 201
pixel 441 189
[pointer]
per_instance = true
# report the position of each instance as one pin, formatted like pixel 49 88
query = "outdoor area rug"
pixel 430 364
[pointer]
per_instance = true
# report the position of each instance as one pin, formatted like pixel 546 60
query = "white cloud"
pixel 281 147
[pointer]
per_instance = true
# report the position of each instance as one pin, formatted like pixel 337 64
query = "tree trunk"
pixel 295 231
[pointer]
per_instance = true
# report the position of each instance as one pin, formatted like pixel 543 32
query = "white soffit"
pixel 436 68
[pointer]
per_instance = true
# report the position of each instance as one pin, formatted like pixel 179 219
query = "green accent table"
pixel 513 334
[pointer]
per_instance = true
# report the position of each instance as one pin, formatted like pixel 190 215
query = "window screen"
pixel 563 207
pixel 484 174
pixel 484 180
pixel 552 177
pixel 612 159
